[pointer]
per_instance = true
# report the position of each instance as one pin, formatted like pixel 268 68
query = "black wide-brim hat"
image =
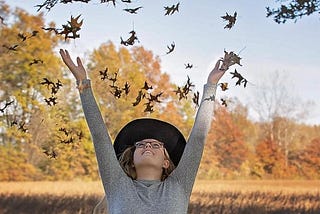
pixel 149 128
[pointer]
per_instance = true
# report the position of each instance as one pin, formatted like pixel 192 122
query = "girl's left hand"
pixel 217 72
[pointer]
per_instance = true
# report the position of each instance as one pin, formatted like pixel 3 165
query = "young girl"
pixel 150 168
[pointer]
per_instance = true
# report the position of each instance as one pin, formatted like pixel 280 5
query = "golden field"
pixel 268 196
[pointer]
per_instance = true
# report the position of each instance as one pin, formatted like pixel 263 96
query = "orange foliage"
pixel 226 141
pixel 271 158
pixel 310 159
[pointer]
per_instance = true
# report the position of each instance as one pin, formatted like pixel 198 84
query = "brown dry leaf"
pixel 74 22
pixel 230 59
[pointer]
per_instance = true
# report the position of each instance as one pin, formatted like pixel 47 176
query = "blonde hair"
pixel 126 162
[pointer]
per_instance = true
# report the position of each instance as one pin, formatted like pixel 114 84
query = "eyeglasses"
pixel 153 144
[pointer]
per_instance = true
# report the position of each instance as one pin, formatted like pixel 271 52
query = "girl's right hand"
pixel 78 70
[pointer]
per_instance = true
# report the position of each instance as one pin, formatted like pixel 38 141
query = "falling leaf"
pixel 231 20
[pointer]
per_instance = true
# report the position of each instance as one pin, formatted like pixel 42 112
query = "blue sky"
pixel 290 49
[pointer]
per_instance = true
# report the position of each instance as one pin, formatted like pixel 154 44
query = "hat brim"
pixel 149 128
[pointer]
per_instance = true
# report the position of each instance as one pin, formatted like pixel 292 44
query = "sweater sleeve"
pixel 109 167
pixel 187 168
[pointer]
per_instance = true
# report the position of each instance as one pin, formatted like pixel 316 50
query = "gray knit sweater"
pixel 127 196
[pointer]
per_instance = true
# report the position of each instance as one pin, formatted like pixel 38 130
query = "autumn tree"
pixel 30 125
pixel 225 143
pixel 278 113
pixel 269 160
pixel 307 161
pixel 272 160
pixel 136 67
pixel 21 42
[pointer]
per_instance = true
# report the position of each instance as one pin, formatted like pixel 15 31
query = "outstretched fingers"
pixel 67 59
pixel 79 62
pixel 77 70
pixel 217 66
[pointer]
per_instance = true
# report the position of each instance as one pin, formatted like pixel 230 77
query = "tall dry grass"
pixel 223 197
pixel 49 197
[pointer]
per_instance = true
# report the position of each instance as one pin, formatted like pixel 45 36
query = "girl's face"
pixel 150 152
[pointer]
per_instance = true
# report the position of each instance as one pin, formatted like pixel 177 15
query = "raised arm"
pixel 188 166
pixel 109 167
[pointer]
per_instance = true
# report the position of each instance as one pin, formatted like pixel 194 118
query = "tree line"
pixel 43 134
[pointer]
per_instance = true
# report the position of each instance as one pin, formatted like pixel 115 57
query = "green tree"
pixel 293 9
